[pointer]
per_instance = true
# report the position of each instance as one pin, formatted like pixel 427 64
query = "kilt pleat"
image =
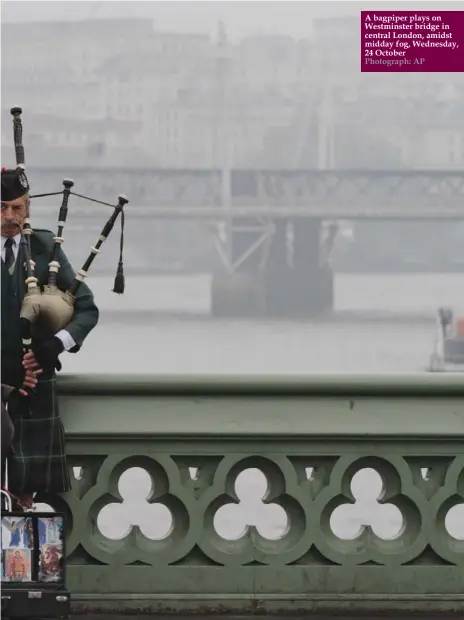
pixel 37 461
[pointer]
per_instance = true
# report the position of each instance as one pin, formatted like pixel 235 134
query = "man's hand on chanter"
pixel 30 381
pixel 32 370
pixel 30 362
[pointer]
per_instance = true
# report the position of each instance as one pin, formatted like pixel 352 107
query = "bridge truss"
pixel 259 198
pixel 274 194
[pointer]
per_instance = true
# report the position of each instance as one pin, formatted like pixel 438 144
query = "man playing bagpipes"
pixel 46 309
pixel 36 460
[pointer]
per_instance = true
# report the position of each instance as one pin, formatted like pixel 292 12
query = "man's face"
pixel 14 212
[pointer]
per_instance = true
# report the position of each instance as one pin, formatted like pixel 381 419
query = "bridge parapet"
pixel 308 436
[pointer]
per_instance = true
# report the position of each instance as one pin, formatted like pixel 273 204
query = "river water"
pixel 125 345
pixel 164 345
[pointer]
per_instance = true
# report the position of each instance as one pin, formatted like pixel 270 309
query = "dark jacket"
pixel 38 461
pixel 7 425
pixel 85 316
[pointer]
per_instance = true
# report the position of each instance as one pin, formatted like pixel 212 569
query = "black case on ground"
pixel 27 556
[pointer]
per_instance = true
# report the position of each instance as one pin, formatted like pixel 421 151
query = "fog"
pixel 288 213
pixel 348 184
pixel 243 17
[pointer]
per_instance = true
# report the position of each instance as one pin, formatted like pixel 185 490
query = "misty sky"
pixel 243 17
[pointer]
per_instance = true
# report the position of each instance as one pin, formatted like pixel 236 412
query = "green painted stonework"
pixel 308 436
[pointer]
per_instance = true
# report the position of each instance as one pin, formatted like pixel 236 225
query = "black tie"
pixel 9 254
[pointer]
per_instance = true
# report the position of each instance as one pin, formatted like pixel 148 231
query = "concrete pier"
pixel 285 280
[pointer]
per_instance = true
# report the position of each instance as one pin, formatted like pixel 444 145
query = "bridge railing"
pixel 209 445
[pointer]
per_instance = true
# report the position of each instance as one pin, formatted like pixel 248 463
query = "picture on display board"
pixel 17 532
pixel 51 563
pixel 50 530
pixel 16 565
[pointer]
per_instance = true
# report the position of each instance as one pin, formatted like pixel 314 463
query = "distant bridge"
pixel 268 265
pixel 270 194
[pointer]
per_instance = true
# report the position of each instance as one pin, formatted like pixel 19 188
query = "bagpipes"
pixel 45 312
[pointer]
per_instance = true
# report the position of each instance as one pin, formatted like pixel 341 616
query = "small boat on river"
pixel 448 351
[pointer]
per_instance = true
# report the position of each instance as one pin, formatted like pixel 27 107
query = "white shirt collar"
pixel 17 239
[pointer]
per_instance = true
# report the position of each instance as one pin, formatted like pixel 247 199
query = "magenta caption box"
pixel 409 41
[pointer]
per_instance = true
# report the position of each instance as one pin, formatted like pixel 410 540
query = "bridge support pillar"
pixel 278 274
pixel 237 295
pixel 313 281
pixel 296 284
pixel 240 292
pixel 268 276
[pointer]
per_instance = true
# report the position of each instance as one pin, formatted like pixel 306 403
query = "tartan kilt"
pixel 37 460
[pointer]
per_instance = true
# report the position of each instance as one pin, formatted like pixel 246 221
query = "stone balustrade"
pixel 208 533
